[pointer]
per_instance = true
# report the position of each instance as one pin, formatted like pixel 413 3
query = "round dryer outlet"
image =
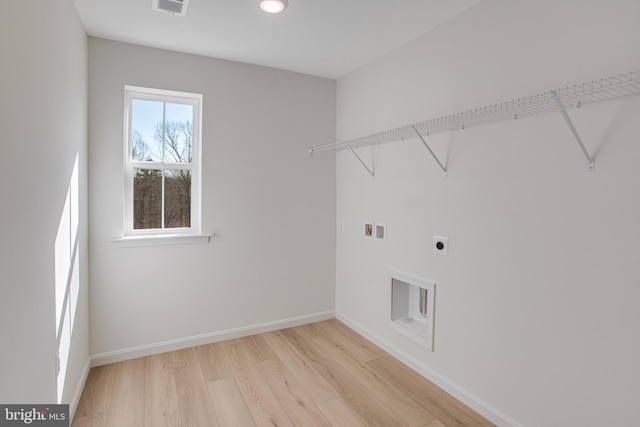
pixel 440 245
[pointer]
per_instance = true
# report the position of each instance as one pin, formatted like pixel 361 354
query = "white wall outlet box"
pixel 440 245
pixel 380 232
pixel 341 225
pixel 368 230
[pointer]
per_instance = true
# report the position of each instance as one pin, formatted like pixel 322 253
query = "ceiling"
pixel 327 38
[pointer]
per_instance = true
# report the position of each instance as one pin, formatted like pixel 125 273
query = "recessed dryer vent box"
pixel 412 307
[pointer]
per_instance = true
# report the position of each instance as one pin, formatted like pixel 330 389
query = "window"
pixel 162 162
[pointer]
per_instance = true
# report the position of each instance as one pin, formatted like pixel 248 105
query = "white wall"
pixel 536 304
pixel 270 206
pixel 43 117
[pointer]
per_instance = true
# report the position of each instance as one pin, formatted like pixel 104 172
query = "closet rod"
pixel 614 87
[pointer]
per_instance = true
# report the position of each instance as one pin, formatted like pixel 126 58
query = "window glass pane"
pixel 147 132
pixel 178 133
pixel 147 199
pixel 177 202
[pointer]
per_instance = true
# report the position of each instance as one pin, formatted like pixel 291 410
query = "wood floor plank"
pixel 229 405
pixel 96 395
pixel 339 414
pixel 194 402
pixel 95 420
pixel 160 399
pixel 303 342
pixel 355 343
pixel 314 329
pixel 262 403
pixel 214 364
pixel 443 406
pixel 127 401
pixel 435 423
pixel 371 410
pixel 257 347
pixel 395 400
pixel 185 357
pixel 301 410
pixel 314 384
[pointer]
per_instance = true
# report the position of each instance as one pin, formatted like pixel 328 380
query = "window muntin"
pixel 162 161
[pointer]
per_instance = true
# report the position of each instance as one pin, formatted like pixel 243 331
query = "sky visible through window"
pixel 148 115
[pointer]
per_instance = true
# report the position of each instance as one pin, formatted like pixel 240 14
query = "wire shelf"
pixel 619 86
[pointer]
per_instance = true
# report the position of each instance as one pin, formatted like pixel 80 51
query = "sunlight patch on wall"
pixel 67 277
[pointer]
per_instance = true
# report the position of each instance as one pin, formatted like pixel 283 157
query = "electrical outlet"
pixel 341 225
pixel 441 245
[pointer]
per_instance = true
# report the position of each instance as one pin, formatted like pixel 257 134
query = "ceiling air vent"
pixel 173 7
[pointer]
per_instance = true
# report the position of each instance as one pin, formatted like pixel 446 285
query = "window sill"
pixel 161 240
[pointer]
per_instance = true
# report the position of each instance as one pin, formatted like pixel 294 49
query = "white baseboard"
pixel 161 347
pixel 78 393
pixel 444 383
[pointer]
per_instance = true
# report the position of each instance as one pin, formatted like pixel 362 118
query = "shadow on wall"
pixel 67 277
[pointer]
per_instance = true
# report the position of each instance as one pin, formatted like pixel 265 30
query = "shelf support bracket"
pixel 567 119
pixel 370 170
pixel 444 169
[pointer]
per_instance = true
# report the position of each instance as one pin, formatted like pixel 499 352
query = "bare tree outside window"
pixel 177 141
pixel 147 199
pixel 172 142
pixel 139 147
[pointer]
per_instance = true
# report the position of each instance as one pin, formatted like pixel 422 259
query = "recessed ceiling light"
pixel 273 6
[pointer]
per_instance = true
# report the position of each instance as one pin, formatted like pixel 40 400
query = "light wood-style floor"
pixel 321 374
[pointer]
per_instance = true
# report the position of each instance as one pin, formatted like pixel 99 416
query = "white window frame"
pixel 159 236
